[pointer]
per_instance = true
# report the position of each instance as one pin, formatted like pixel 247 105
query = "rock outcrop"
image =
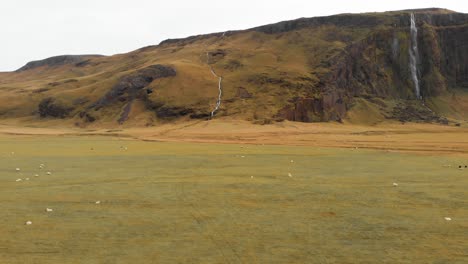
pixel 48 107
pixel 378 65
pixel 132 85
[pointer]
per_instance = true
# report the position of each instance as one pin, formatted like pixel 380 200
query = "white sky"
pixel 37 29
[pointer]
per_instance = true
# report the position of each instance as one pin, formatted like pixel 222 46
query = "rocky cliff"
pixel 307 70
pixel 378 64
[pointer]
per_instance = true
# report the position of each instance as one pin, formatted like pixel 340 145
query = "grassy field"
pixel 214 203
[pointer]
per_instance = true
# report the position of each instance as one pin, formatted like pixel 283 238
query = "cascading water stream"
pixel 220 94
pixel 220 81
pixel 414 56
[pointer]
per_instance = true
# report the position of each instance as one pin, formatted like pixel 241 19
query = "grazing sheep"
pixel 49 173
pixel 28 223
pixel 98 202
pixel 395 184
pixel 18 180
pixel 36 175
pixel 290 175
pixel 448 219
pixel 18 169
pixel 49 210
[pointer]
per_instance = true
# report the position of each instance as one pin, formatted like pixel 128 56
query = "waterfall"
pixel 414 56
pixel 220 93
pixel 220 82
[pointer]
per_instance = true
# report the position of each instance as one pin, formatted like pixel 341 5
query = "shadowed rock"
pixel 129 87
pixel 50 108
pixel 243 93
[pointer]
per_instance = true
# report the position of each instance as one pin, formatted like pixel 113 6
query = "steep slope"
pixel 308 70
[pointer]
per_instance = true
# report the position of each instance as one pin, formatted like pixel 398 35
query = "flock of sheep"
pixel 41 166
pixel 50 210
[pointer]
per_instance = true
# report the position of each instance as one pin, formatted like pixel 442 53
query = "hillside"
pixel 351 67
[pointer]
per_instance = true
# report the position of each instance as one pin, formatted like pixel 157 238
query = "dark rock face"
pixel 49 108
pixel 57 61
pixel 216 55
pixel 265 79
pixel 131 86
pixel 378 66
pixel 41 90
pixel 243 93
pixel 87 117
pixel 346 20
pixel 330 107
pixel 233 65
pixel 125 113
pixel 135 86
pixel 166 112
pixel 191 39
pixel 204 116
pixel 453 50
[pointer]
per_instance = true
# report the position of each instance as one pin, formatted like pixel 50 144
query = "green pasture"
pixel 212 203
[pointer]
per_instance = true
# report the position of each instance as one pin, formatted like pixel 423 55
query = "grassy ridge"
pixel 331 59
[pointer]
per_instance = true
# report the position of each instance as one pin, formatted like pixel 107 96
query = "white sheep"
pixel 49 210
pixel 395 184
pixel 448 219
pixel 18 169
pixel 28 223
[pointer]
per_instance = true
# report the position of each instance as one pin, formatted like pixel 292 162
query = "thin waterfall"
pixel 414 56
pixel 220 82
pixel 220 93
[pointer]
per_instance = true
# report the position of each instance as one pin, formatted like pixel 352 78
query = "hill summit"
pixel 405 65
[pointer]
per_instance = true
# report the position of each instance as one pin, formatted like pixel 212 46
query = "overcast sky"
pixel 37 29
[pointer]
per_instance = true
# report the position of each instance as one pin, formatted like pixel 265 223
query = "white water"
pixel 414 56
pixel 220 81
pixel 220 88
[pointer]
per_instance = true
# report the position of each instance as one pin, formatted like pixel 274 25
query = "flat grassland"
pixel 188 202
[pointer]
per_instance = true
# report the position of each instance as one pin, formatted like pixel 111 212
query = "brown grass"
pixel 410 137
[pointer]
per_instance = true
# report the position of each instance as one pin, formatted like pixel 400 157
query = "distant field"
pixel 213 203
